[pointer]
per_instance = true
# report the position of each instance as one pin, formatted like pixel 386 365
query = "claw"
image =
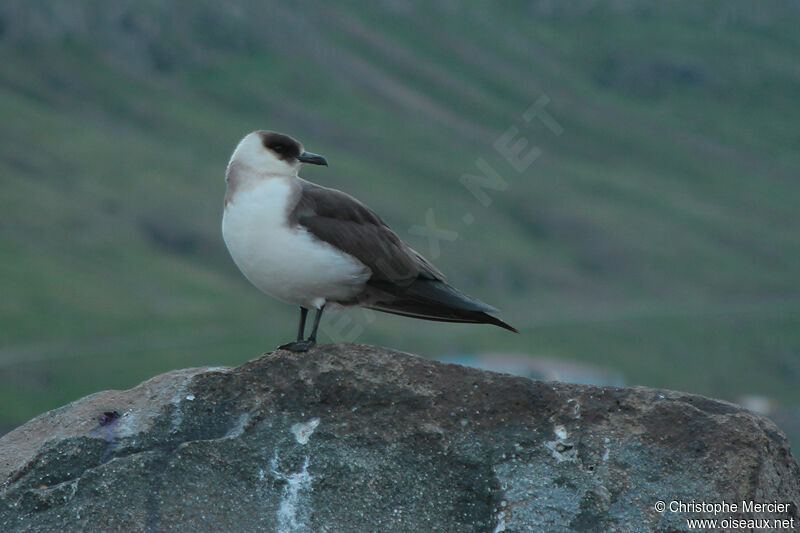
pixel 298 346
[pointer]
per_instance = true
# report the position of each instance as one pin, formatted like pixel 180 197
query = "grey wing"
pixel 402 281
pixel 344 222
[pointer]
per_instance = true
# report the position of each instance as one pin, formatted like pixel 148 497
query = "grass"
pixel 657 235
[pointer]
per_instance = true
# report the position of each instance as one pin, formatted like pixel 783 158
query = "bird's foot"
pixel 298 346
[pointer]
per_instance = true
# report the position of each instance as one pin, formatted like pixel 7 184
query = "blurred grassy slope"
pixel 658 234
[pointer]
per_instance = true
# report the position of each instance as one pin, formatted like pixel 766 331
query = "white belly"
pixel 287 263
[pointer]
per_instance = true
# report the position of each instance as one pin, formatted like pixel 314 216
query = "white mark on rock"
pixel 190 397
pixel 238 428
pixel 561 449
pixel 303 430
pixel 218 369
pixel 127 425
pixel 501 522
pixel 297 485
pixel 295 505
pixel 576 407
pixel 180 394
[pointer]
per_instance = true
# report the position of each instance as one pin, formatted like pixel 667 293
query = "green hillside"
pixel 657 233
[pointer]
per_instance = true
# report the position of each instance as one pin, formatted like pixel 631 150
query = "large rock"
pixel 357 438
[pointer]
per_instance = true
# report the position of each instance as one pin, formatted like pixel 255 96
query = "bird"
pixel 313 246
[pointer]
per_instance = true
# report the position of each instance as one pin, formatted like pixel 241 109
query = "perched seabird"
pixel 312 246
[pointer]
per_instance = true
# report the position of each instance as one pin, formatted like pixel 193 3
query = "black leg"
pixel 301 345
pixel 301 330
pixel 313 337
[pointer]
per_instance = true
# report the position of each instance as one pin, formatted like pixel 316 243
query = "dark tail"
pixel 435 300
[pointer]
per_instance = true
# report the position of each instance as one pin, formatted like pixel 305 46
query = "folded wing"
pixel 402 282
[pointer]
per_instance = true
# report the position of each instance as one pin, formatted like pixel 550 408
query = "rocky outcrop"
pixel 357 438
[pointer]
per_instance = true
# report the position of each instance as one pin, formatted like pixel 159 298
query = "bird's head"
pixel 273 153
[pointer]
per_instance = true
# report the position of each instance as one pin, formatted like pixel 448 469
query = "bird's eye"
pixel 278 148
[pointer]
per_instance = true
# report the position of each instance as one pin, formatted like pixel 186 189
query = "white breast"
pixel 287 263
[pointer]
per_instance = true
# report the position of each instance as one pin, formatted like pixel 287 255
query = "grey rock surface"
pixel 357 438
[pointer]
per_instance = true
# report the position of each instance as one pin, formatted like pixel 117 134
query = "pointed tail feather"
pixel 478 317
pixel 435 300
